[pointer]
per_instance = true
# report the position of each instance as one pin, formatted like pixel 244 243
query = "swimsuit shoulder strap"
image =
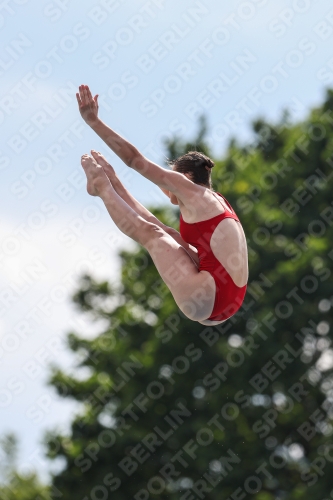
pixel 226 201
pixel 232 213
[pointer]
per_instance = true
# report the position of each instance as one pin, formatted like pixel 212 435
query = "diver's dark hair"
pixel 197 165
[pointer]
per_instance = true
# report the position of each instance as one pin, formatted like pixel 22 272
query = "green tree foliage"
pixel 175 410
pixel 15 485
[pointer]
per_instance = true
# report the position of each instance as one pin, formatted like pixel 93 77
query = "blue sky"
pixel 157 65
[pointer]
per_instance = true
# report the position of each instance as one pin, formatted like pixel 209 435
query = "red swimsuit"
pixel 229 297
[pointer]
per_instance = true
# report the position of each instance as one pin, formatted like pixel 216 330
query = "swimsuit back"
pixel 198 234
pixel 229 296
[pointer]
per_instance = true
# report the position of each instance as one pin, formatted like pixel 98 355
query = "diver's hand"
pixel 88 105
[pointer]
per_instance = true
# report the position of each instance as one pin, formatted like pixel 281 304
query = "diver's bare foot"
pixel 97 180
pixel 108 169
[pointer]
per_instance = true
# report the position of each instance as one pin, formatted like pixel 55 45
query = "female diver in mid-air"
pixel 205 266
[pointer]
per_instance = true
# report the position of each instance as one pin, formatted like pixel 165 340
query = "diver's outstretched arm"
pixel 88 107
pixel 168 180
